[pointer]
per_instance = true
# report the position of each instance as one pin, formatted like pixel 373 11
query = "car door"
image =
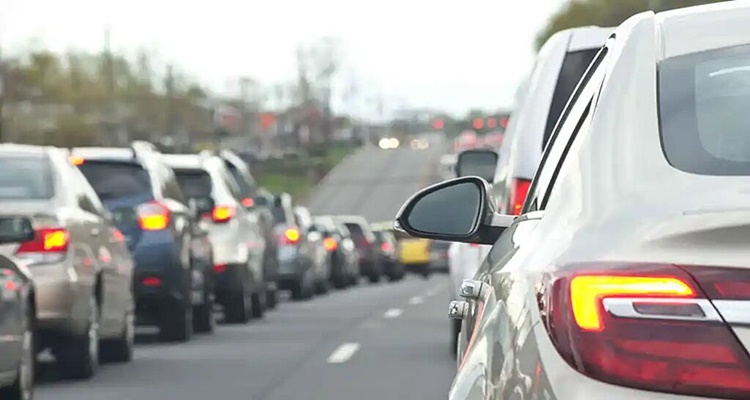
pixel 11 315
pixel 498 320
pixel 114 283
pixel 576 115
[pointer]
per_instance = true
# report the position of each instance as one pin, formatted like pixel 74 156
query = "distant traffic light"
pixel 491 123
pixel 504 122
pixel 438 124
pixel 478 123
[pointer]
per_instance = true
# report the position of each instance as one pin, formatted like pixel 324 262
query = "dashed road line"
pixel 343 353
pixel 416 300
pixel 393 313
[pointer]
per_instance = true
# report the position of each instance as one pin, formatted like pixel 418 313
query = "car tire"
pixel 203 315
pixel 374 278
pixel 177 323
pixel 341 281
pixel 258 306
pixel 322 286
pixel 23 387
pixel 426 271
pixel 236 308
pixel 120 350
pixel 78 356
pixel 272 299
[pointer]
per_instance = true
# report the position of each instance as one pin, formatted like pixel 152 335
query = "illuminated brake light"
pixel 151 281
pixel 291 236
pixel 248 202
pixel 646 326
pixel 386 247
pixel 118 236
pixel 222 214
pixel 47 240
pixel 76 160
pixel 587 291
pixel 330 244
pixel 518 191
pixel 153 216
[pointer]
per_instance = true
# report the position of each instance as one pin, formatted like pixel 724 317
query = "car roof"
pixel 700 28
pixel 24 149
pixel 109 153
pixel 588 37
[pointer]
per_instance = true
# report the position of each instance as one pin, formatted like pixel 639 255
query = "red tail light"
pixel 118 236
pixel 291 236
pixel 151 281
pixel 248 202
pixel 222 214
pixel 645 326
pixel 220 268
pixel 517 196
pixel 153 216
pixel 330 244
pixel 47 240
pixel 386 247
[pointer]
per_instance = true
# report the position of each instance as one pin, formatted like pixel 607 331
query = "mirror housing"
pixel 457 210
pixel 16 230
pixel 477 162
pixel 201 205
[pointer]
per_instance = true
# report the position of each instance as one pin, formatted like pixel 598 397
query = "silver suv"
pixel 238 244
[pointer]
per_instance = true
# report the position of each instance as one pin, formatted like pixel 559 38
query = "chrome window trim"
pixel 623 307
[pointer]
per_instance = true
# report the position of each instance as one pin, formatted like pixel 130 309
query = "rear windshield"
pixel 242 180
pixel 113 180
pixel 572 70
pixel 279 215
pixel 25 177
pixel 355 230
pixel 704 100
pixel 194 183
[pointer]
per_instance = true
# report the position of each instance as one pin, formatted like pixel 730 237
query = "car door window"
pixel 576 113
pixel 171 187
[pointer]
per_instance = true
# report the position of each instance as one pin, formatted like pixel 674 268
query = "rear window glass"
pixel 194 183
pixel 25 177
pixel 279 215
pixel 572 70
pixel 113 180
pixel 245 186
pixel 704 100
pixel 355 230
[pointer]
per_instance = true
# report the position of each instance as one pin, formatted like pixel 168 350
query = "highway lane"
pixel 375 183
pixel 383 341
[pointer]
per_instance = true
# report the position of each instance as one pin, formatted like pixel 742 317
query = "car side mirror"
pixel 16 230
pixel 477 162
pixel 458 210
pixel 201 205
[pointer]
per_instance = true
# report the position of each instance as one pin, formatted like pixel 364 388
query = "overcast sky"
pixel 436 54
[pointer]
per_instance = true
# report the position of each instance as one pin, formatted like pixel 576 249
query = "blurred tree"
pixel 577 13
pixel 65 99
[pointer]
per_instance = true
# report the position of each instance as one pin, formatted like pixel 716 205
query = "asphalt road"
pixel 374 183
pixel 374 342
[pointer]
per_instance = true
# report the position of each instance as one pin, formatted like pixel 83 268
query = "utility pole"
pixel 244 114
pixel 2 94
pixel 169 101
pixel 111 112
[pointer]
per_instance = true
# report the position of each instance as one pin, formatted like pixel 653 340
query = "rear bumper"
pixel 61 298
pixel 230 279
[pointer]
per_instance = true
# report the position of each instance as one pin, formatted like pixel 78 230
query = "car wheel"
pixel 322 286
pixel 236 309
pixel 374 278
pixel 203 315
pixel 258 306
pixel 120 350
pixel 177 323
pixel 426 271
pixel 23 387
pixel 78 356
pixel 272 299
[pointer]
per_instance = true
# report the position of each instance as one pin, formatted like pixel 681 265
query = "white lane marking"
pixel 393 313
pixel 416 300
pixel 343 353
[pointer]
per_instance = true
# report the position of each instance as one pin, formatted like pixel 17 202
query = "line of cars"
pixel 616 263
pixel 96 241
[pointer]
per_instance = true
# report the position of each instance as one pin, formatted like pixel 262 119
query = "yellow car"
pixel 415 255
